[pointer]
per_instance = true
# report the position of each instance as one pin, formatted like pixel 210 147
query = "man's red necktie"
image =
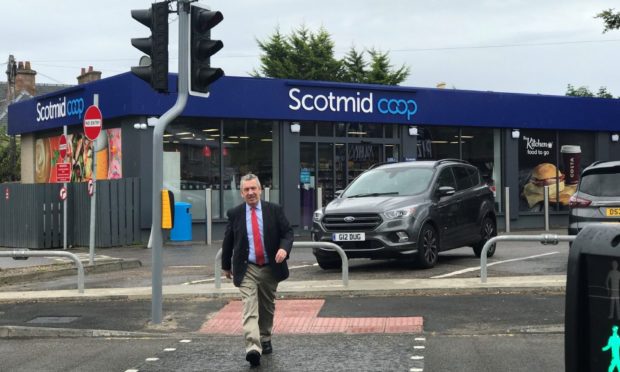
pixel 258 244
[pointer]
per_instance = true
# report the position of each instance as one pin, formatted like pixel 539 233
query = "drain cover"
pixel 53 319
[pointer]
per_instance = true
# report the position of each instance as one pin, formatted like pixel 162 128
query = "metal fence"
pixel 31 214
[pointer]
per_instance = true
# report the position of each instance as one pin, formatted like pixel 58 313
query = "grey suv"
pixel 409 209
pixel 597 198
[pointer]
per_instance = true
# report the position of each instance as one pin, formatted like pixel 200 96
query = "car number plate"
pixel 348 237
pixel 612 212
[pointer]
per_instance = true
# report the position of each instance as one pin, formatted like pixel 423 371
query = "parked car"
pixel 597 198
pixel 408 210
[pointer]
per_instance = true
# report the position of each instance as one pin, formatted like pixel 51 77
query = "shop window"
pixel 392 131
pixel 192 163
pixel 307 192
pixel 308 128
pixel 361 130
pixel 482 148
pixel 341 129
pixel 325 129
pixel 391 153
pixel 249 146
pixel 436 143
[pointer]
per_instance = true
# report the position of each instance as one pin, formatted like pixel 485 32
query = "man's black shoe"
pixel 267 349
pixel 253 357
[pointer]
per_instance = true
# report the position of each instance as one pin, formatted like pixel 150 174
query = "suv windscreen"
pixel 601 184
pixel 390 181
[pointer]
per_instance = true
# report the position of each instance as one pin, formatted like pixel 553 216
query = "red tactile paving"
pixel 301 317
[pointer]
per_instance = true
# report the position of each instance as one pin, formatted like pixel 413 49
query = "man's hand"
pixel 228 274
pixel 281 255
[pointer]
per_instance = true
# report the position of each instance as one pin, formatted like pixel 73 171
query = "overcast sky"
pixel 534 46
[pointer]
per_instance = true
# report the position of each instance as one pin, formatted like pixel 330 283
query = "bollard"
pixel 217 271
pixel 507 208
pixel 21 253
pixel 208 217
pixel 546 206
pixel 543 239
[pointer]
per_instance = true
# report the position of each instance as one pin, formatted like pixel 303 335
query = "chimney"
pixel 88 76
pixel 25 78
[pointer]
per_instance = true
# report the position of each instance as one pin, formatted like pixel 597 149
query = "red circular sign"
pixel 93 120
pixel 62 146
pixel 63 193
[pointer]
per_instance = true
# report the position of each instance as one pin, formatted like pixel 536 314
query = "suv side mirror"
pixel 445 191
pixel 338 193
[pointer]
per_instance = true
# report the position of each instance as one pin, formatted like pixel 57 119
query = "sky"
pixel 521 46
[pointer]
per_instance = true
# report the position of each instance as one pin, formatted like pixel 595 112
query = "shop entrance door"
pixel 332 166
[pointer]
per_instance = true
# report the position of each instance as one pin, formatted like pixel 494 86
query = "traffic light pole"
pixel 158 161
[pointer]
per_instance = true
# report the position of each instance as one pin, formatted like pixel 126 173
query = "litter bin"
pixel 182 230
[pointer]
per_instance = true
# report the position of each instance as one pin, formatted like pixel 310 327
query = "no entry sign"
pixel 62 146
pixel 93 120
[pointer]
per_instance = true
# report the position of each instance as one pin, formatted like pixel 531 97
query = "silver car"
pixel 597 198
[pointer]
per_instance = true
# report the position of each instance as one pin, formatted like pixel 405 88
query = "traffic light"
pixel 156 46
pixel 201 47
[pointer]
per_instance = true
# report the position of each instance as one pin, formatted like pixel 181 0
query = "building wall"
pixel 27 158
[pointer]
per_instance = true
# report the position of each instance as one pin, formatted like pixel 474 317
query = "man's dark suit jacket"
pixel 277 233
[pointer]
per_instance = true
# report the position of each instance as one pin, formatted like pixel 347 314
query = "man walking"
pixel 257 242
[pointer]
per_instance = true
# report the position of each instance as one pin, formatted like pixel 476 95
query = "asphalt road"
pixel 195 264
pixel 495 332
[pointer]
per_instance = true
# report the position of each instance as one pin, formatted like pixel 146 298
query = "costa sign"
pixel 358 103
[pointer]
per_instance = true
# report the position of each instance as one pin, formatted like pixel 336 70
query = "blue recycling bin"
pixel 182 230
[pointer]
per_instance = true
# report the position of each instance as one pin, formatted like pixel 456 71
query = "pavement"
pixel 12 271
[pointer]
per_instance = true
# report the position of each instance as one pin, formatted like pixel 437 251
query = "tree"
pixel 611 19
pixel 310 56
pixel 9 170
pixel 583 91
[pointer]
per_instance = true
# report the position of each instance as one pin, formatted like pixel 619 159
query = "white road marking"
pixel 418 347
pixel 491 264
pixel 170 349
pixel 188 267
pixel 185 341
pixel 152 359
pixel 417 357
pixel 416 370
pixel 420 339
pixel 131 370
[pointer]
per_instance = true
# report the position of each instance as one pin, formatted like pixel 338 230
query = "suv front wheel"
pixel 428 247
pixel 488 230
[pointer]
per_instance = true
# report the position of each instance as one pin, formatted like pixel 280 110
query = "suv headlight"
pixel 318 214
pixel 399 213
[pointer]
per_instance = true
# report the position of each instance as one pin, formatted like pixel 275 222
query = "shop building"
pixel 298 136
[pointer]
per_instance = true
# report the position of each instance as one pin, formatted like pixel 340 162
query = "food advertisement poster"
pixel 79 153
pixel 538 154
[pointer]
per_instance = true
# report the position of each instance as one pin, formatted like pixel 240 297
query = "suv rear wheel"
pixel 428 247
pixel 488 230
